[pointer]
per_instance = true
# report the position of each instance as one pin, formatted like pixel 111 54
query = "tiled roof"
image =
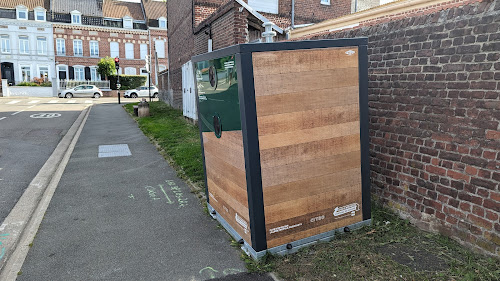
pixel 155 9
pixel 86 7
pixel 119 9
pixel 30 4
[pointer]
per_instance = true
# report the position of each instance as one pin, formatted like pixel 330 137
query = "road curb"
pixel 21 225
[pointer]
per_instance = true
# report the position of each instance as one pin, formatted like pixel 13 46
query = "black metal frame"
pixel 249 125
pixel 249 128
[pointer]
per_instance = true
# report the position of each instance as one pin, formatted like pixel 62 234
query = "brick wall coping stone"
pixel 390 11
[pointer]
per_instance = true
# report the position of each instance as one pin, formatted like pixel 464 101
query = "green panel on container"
pixel 219 106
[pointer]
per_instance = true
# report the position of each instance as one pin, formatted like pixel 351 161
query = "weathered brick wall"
pixel 180 46
pixel 228 26
pixel 434 118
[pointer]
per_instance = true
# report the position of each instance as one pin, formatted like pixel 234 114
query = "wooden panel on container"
pixel 226 180
pixel 309 139
pixel 305 100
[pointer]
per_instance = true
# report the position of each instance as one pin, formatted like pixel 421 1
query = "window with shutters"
pixel 24 44
pixel 61 46
pixel 94 48
pixel 94 75
pixel 79 73
pixel 77 48
pixel 160 48
pixel 114 48
pixel 41 45
pixel 144 50
pixel 266 6
pixel 129 50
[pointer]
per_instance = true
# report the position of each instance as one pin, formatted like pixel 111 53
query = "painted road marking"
pixel 17 112
pixel 71 101
pixel 34 101
pixel 13 102
pixel 88 101
pixel 53 101
pixel 2 118
pixel 45 115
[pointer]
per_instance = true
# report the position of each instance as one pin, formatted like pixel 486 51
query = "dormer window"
pixel 127 22
pixel 76 17
pixel 162 22
pixel 40 14
pixel 22 12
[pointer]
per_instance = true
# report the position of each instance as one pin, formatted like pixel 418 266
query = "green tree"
pixel 106 67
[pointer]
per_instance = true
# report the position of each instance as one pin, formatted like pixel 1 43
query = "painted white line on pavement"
pixel 34 101
pixel 31 106
pixel 13 102
pixel 17 112
pixel 53 101
pixel 2 119
pixel 71 101
pixel 88 101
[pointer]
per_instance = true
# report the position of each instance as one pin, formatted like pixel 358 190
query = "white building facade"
pixel 27 46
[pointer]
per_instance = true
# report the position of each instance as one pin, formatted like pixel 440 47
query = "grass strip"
pixel 390 249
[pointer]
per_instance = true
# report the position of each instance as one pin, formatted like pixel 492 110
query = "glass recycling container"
pixel 284 136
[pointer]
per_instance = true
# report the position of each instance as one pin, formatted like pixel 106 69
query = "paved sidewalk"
pixel 126 217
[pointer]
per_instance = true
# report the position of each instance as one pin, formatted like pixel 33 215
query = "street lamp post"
pixel 117 66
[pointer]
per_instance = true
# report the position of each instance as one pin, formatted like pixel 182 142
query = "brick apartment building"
pixel 87 30
pixel 195 23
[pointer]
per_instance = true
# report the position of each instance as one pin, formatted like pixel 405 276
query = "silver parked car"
pixel 141 91
pixel 82 91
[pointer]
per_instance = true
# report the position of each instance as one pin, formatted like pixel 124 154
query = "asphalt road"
pixel 30 129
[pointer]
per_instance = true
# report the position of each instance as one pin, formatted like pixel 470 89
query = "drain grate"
pixel 114 150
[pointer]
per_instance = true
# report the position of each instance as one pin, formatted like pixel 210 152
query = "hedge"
pixel 127 81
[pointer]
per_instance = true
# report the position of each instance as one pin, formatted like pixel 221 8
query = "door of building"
pixel 8 72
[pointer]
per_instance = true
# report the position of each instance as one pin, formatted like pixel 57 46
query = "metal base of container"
pixel 285 248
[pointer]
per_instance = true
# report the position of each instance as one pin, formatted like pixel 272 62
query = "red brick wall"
pixel 229 27
pixel 434 98
pixel 181 45
pixel 104 37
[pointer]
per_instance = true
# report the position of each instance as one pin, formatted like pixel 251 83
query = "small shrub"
pixel 29 84
pixel 46 84
pixel 127 81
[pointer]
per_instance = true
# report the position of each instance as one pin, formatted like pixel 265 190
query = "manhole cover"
pixel 114 150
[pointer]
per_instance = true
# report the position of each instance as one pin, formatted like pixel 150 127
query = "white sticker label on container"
pixel 350 52
pixel 241 222
pixel 283 228
pixel 347 210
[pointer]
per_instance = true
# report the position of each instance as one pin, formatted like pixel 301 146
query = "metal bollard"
pixel 143 108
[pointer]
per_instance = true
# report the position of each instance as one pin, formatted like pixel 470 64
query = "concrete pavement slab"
pixel 125 218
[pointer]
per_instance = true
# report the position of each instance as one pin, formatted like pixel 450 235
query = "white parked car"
pixel 141 91
pixel 82 91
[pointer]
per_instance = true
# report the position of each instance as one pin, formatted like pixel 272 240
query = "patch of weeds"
pixel 264 264
pixel 362 255
pixel 19 272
